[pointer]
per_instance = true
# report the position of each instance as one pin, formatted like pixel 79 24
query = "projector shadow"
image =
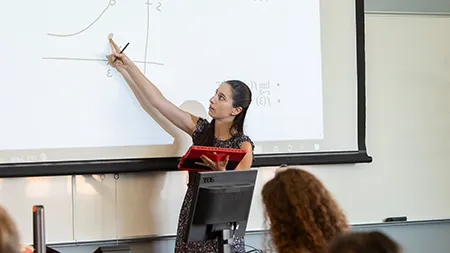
pixel 182 141
pixel 147 188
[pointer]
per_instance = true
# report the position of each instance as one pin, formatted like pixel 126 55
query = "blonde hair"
pixel 9 235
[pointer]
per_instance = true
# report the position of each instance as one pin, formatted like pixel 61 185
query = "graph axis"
pixel 110 4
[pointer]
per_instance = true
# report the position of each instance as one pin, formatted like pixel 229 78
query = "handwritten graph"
pixel 110 4
pixel 148 4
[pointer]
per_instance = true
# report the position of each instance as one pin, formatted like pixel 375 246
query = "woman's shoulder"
pixel 241 138
pixel 202 123
pixel 200 127
pixel 244 137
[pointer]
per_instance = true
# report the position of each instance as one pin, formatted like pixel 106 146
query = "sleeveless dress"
pixel 211 245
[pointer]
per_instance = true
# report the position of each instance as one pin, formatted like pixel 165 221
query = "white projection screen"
pixel 64 110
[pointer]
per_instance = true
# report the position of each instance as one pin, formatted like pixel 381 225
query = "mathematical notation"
pixel 262 92
pixel 157 5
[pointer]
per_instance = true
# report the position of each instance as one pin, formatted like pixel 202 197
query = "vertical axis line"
pixel 146 37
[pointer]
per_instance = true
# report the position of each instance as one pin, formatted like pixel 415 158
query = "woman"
pixel 364 242
pixel 302 213
pixel 227 108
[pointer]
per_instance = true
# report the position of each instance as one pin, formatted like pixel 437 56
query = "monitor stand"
pixel 225 239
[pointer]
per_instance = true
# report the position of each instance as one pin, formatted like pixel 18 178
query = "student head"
pixel 231 102
pixel 363 242
pixel 9 236
pixel 303 215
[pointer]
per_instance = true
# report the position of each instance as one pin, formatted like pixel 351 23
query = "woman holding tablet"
pixel 228 108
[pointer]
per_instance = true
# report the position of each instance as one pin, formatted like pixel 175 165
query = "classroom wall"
pixel 408 59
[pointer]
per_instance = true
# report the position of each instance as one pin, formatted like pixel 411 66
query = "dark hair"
pixel 363 242
pixel 242 97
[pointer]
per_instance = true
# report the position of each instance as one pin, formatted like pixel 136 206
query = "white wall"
pixel 408 82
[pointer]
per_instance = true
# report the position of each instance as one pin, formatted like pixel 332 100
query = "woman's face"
pixel 221 104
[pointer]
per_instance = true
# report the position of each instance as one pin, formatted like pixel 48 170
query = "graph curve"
pixel 110 3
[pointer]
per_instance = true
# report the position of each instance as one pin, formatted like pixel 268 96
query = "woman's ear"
pixel 236 111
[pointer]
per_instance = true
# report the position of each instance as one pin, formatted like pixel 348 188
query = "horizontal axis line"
pixel 95 60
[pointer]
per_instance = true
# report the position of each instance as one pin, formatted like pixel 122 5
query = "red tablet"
pixel 188 161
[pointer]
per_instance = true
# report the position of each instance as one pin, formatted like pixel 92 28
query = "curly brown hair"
pixel 302 213
pixel 9 235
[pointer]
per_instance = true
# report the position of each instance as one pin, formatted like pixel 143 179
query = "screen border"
pixel 260 160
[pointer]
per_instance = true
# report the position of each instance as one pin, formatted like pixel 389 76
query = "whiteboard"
pixel 69 105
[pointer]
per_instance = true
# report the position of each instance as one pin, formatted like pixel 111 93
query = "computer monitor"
pixel 220 206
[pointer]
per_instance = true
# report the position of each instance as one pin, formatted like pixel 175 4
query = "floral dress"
pixel 210 245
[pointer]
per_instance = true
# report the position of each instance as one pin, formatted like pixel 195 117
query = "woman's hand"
pixel 122 62
pixel 219 166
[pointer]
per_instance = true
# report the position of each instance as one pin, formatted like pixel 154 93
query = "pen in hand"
pixel 121 52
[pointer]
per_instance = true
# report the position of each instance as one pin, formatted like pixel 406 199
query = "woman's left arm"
pixel 247 161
